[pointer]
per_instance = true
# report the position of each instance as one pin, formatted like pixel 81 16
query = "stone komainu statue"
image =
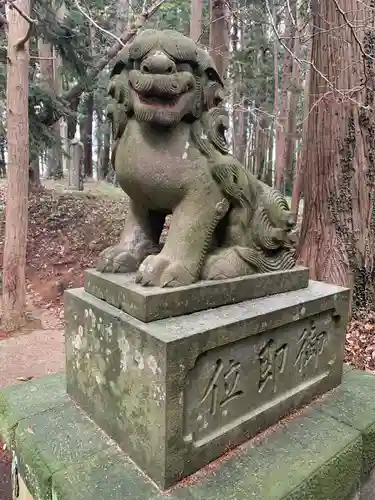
pixel 170 155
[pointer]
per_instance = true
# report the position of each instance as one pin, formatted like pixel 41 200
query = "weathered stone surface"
pixel 150 304
pixel 297 472
pixel 177 393
pixel 54 440
pixel 32 398
pixel 312 456
pixel 356 408
pixel 109 475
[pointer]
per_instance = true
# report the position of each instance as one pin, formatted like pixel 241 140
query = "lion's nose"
pixel 158 63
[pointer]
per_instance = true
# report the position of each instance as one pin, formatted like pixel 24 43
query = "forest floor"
pixel 67 230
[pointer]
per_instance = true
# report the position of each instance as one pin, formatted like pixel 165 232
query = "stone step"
pixel 324 452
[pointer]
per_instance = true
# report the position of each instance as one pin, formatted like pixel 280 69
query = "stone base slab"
pixel 153 303
pixel 177 393
pixel 325 452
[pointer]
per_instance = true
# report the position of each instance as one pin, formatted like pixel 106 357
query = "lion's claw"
pixel 157 270
pixel 117 260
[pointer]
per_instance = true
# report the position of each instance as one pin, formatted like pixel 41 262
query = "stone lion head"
pixel 162 77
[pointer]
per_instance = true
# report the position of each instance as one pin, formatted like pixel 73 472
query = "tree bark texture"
pixel 219 34
pixel 283 115
pixel 105 154
pixel 338 228
pixel 34 173
pixel 76 171
pixel 293 97
pixel 3 167
pixel 301 160
pixel 123 17
pixel 14 259
pixel 87 134
pixel 196 19
pixel 239 139
pixel 48 82
pixel 268 176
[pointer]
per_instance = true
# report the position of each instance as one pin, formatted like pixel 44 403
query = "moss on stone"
pixel 317 455
pixel 23 400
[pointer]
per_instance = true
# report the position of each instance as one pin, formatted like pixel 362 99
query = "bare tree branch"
pixel 20 45
pixel 31 22
pixel 352 29
pixel 13 5
pixel 94 23
pixel 343 94
pixel 78 89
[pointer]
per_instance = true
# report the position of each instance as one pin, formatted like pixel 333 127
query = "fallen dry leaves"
pixel 360 343
pixel 66 233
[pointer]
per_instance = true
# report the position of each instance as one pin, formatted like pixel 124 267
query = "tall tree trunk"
pixel 338 229
pixel 3 167
pixel 123 17
pixel 34 172
pixel 88 119
pixel 72 120
pixel 45 50
pixel 62 144
pixel 105 157
pixel 268 178
pixel 251 151
pixel 55 169
pixel 276 47
pixel 219 34
pixel 99 139
pixel 293 96
pixel 87 134
pixel 239 133
pixel 283 115
pixel 196 19
pixel 14 259
pixel 302 157
pixel 261 146
pixel 257 148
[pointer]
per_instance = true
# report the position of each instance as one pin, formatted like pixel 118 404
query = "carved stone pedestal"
pixel 177 392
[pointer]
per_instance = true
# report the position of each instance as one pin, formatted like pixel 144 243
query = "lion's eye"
pixel 184 66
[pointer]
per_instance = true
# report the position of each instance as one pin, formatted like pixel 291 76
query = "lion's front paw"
pixel 157 270
pixel 116 259
pixel 225 263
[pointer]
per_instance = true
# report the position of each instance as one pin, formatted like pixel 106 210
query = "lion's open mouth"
pixel 152 100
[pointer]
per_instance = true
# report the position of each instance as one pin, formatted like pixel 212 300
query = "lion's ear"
pixel 213 89
pixel 207 65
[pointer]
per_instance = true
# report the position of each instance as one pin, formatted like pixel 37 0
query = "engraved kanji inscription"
pixel 311 347
pixel 222 388
pixel 272 363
